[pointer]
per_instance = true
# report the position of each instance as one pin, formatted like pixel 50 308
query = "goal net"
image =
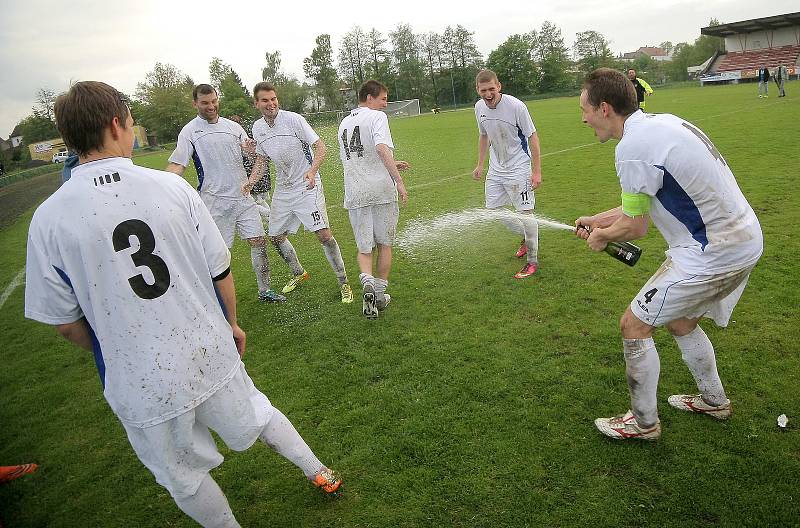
pixel 409 107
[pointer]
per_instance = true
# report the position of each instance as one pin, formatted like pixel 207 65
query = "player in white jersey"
pixel 371 184
pixel 215 145
pixel 507 132
pixel 127 263
pixel 670 172
pixel 286 138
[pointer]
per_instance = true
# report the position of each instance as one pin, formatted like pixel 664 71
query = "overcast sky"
pixel 50 44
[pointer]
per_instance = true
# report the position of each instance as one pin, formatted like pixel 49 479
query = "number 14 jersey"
pixel 366 180
pixel 134 251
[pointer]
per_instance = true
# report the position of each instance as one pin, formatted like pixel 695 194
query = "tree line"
pixel 438 68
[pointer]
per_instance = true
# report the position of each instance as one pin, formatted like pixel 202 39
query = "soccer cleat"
pixel 522 251
pixel 295 282
pixel 270 296
pixel 624 427
pixel 370 305
pixel 695 403
pixel 327 481
pixel 347 293
pixel 528 270
pixel 382 304
pixel 9 473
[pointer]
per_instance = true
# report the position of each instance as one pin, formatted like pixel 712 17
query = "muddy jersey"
pixel 696 203
pixel 508 125
pixel 134 250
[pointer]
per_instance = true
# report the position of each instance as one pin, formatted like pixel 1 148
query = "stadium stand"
pixel 752 44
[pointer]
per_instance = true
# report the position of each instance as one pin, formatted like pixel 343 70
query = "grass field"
pixel 470 403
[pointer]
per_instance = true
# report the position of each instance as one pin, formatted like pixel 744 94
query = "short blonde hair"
pixel 485 76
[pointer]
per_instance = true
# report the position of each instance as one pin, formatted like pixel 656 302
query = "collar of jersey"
pixel 89 164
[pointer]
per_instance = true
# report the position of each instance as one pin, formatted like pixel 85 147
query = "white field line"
pixel 13 285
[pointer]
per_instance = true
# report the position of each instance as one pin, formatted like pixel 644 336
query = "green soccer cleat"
pixel 347 294
pixel 295 282
pixel 271 296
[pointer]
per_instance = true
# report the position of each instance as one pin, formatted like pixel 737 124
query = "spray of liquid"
pixel 418 233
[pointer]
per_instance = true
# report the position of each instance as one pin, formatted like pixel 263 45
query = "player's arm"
pixel 483 148
pixel 77 333
pixel 627 222
pixel 536 160
pixel 227 293
pixel 256 174
pixel 319 154
pixel 175 168
pixel 387 157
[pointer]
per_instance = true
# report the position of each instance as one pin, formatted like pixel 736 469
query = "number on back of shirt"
pixel 143 257
pixel 707 142
pixel 354 145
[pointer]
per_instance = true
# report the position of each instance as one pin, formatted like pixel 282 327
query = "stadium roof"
pixel 748 26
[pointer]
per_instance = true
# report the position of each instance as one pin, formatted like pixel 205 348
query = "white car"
pixel 60 157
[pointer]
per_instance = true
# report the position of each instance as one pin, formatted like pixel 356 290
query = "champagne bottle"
pixel 624 252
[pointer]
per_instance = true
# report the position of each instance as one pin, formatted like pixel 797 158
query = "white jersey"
pixel 508 125
pixel 216 150
pixel 697 204
pixel 134 251
pixel 366 179
pixel 288 144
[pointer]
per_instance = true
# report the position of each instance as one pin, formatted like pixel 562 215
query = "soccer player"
pixel 641 86
pixel 261 189
pixel 215 145
pixel 670 172
pixel 506 130
pixel 286 138
pixel 127 263
pixel 372 182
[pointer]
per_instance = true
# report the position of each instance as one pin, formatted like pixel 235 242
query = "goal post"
pixel 407 108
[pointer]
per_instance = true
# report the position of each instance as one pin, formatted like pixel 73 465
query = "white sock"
pixel 698 354
pixel 208 506
pixel 261 266
pixel 334 256
pixel 642 368
pixel 380 288
pixel 280 435
pixel 532 240
pixel 366 278
pixel 287 252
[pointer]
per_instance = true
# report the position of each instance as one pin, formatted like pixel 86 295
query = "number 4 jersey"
pixel 366 180
pixel 134 250
pixel 695 202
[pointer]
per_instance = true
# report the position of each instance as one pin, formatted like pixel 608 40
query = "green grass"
pixel 470 403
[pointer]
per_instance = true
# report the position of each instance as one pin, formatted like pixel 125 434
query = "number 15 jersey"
pixel 366 180
pixel 134 250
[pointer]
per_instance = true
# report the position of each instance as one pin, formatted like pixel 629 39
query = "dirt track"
pixel 18 197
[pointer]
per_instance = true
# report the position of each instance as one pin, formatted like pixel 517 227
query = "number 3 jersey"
pixel 695 203
pixel 366 179
pixel 134 251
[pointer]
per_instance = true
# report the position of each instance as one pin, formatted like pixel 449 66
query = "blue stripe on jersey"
pixel 98 353
pixel 677 201
pixel 221 302
pixel 307 152
pixel 199 167
pixel 523 141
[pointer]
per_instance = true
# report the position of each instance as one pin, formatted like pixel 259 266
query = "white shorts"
pixel 672 294
pixel 510 191
pixel 374 224
pixel 234 214
pixel 292 209
pixel 180 452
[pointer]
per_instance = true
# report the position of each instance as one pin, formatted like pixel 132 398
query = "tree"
pixel 46 100
pixel 591 50
pixel 166 101
pixel 378 63
pixel 319 67
pixel 432 54
pixel 352 54
pixel 272 71
pixel 408 68
pixel 512 63
pixel 36 127
pixel 667 46
pixel 552 57
pixel 463 61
